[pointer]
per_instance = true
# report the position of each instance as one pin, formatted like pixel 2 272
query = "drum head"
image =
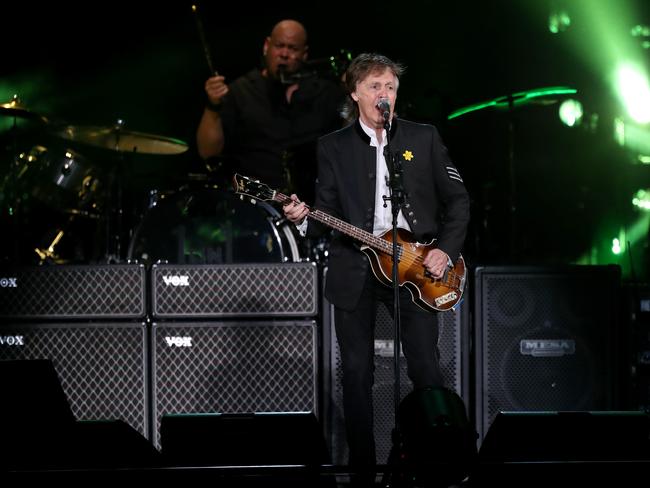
pixel 212 226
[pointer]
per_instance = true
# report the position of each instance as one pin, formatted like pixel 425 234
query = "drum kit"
pixel 66 198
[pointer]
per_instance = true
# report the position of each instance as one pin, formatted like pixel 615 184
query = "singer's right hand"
pixel 295 211
pixel 216 89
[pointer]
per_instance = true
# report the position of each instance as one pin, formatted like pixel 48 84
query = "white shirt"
pixel 383 220
pixel 383 216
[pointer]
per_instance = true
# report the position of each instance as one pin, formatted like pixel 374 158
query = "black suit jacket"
pixel 437 204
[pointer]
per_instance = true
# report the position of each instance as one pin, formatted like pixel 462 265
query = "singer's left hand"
pixel 295 210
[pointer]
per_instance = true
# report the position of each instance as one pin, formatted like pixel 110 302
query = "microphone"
pixel 384 106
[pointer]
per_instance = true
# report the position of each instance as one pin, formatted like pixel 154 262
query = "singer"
pixel 352 181
pixel 266 122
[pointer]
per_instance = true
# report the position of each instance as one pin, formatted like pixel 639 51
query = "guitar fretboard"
pixel 346 228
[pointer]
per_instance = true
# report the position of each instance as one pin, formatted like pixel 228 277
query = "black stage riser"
pixel 558 448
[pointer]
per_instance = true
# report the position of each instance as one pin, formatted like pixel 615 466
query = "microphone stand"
pixel 396 198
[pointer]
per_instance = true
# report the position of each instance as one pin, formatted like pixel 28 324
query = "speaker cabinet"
pixel 544 339
pixel 234 290
pixel 73 292
pixel 102 367
pixel 454 356
pixel 233 367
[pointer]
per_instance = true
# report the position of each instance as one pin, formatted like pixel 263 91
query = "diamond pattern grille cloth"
pixel 288 289
pixel 545 306
pixel 101 367
pixel 75 292
pixel 233 368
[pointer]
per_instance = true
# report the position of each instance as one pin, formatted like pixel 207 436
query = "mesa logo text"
pixel 547 347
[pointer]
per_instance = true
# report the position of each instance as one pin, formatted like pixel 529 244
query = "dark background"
pixel 92 64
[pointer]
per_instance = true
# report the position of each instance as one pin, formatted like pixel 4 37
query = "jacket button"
pixel 415 221
pixel 410 214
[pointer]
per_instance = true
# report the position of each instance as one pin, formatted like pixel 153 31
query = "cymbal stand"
pixel 115 196
pixel 512 180
pixel 9 204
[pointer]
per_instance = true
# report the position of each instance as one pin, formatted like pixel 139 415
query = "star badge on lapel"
pixel 408 155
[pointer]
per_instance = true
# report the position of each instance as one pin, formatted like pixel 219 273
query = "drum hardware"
pixel 123 141
pixel 60 178
pixel 48 253
pixel 31 125
pixel 123 144
pixel 208 225
pixel 536 96
pixel 54 199
pixel 68 242
pixel 332 67
pixel 15 108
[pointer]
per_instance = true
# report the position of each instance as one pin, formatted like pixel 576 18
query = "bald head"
pixel 286 48
pixel 290 28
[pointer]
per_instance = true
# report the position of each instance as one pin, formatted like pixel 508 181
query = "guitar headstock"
pixel 243 185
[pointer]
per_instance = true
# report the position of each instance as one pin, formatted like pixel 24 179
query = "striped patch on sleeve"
pixel 453 173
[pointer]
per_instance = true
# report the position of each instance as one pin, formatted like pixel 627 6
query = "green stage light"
pixel 506 102
pixel 635 137
pixel 559 21
pixel 643 159
pixel 619 131
pixel 571 112
pixel 641 199
pixel 642 32
pixel 634 91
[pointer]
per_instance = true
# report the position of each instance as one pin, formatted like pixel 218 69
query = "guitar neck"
pixel 344 227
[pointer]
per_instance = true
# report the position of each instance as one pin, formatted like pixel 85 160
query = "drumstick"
pixel 206 48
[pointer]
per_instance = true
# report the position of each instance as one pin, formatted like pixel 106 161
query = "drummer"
pixel 267 121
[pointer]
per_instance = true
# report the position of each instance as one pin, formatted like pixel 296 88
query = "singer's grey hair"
pixel 360 67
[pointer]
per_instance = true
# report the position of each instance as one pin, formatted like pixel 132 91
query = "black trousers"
pixel 355 334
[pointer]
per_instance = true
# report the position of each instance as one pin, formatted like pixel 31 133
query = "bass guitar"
pixel 433 294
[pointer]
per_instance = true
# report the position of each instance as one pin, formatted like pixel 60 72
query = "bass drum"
pixel 212 226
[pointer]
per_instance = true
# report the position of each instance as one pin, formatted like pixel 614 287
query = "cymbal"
pixel 16 108
pixel 118 139
pixel 542 96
